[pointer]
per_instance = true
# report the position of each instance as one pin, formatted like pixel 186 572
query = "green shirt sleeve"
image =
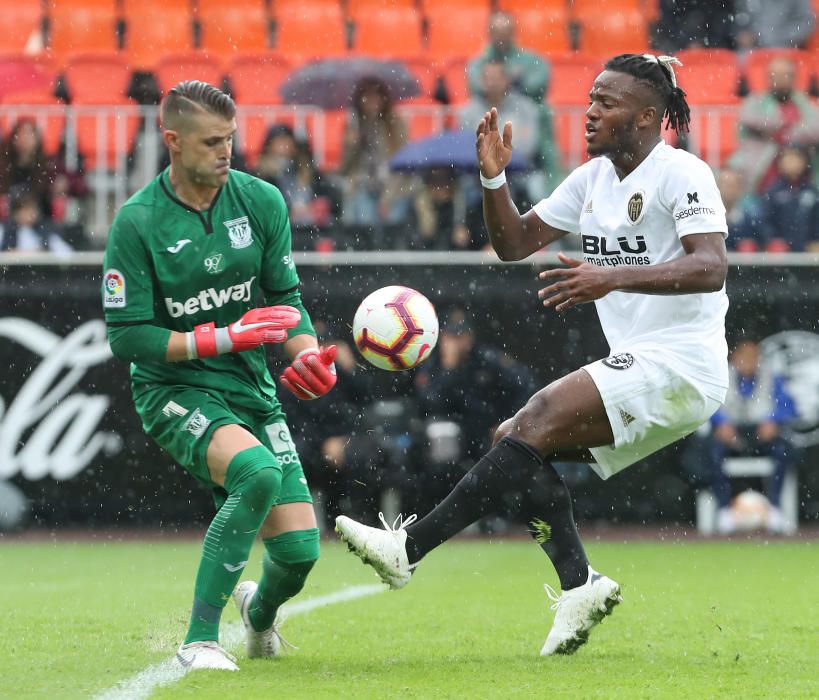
pixel 127 285
pixel 278 274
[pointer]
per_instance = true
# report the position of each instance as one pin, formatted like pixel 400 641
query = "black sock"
pixel 547 507
pixel 479 493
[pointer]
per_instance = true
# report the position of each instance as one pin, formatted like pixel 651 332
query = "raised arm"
pixel 513 236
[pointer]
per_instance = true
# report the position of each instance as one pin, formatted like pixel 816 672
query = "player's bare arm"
pixel 702 269
pixel 513 236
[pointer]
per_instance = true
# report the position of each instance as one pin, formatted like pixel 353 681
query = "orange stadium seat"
pixel 120 126
pixel 194 65
pixel 755 67
pixel 455 80
pixel 102 77
pixel 310 30
pixel 233 28
pixel 423 119
pixel 545 30
pixel 429 6
pixel 456 31
pixel 23 73
pixel 605 32
pixel 708 76
pixel 582 7
pixel 147 40
pixel 255 78
pixel 515 6
pixel 327 143
pixel 22 22
pixel 713 135
pixel 425 71
pixel 571 78
pixel 50 117
pixel 78 28
pixel 356 7
pixel 388 31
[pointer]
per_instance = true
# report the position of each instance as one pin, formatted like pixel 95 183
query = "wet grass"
pixel 699 620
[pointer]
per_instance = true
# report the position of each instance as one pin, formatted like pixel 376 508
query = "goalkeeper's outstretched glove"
pixel 312 373
pixel 257 327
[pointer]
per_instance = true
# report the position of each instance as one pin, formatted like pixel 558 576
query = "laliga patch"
pixel 113 285
pixel 622 360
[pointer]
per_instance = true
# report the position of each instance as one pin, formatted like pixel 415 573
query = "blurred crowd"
pixel 769 184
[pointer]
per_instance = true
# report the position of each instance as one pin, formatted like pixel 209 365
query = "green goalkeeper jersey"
pixel 169 265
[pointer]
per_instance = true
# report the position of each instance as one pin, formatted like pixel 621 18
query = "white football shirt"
pixel 640 221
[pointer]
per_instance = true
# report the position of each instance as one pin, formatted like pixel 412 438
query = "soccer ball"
pixel 395 328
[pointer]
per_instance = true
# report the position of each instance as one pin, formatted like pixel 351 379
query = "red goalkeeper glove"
pixel 257 327
pixel 312 373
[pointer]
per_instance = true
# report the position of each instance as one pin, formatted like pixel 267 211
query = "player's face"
pixel 205 148
pixel 611 116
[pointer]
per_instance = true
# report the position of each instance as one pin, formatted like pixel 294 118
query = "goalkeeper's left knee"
pixel 297 550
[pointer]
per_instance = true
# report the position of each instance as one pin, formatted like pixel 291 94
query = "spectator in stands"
pixel 26 230
pixel 695 24
pixel 790 206
pixel 467 383
pixel 742 212
pixel 770 120
pixel 26 166
pixel 528 72
pixel 780 24
pixel 288 163
pixel 531 125
pixel 374 133
pixel 341 457
pixel 749 424
pixel 444 216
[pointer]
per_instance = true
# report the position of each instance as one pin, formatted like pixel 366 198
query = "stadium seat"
pixel 606 33
pixel 233 28
pixel 326 137
pixel 423 119
pixel 429 6
pixel 194 65
pixel 544 30
pixel 515 6
pixel 119 124
pixel 356 7
pixel 456 31
pixel 755 67
pixel 255 78
pixel 571 78
pixel 310 31
pixel 455 80
pixel 46 110
pixel 709 76
pixel 713 135
pixel 426 72
pixel 22 24
pixel 23 73
pixel 388 31
pixel 147 40
pixel 581 7
pixel 75 28
pixel 103 77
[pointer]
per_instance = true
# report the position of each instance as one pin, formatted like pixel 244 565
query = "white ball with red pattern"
pixel 395 328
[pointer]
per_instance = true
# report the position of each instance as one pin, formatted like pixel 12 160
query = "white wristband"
pixel 494 183
pixel 190 345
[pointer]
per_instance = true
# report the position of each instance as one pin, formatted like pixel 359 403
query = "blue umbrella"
pixel 454 149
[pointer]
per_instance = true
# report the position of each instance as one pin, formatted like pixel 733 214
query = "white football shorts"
pixel 650 403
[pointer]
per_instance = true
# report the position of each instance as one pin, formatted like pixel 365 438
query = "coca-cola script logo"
pixel 47 428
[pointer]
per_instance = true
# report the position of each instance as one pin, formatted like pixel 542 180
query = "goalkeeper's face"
pixel 204 148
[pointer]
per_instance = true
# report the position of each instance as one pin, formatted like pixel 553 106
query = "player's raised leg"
pixel 251 476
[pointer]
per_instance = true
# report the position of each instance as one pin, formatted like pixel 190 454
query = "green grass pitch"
pixel 699 620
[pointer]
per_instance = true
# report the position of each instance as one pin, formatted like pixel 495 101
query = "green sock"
pixel 288 559
pixel 253 481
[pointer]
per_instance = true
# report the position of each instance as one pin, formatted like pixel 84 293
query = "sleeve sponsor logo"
pixel 693 198
pixel 114 289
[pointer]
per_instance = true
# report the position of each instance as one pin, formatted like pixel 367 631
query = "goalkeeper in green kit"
pixel 187 258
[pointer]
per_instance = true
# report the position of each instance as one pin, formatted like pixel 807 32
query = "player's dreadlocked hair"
pixel 657 73
pixel 190 96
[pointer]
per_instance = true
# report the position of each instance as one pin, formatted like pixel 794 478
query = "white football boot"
pixel 205 655
pixel 577 611
pixel 264 644
pixel 385 550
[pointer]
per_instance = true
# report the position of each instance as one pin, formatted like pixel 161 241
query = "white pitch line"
pixel 142 684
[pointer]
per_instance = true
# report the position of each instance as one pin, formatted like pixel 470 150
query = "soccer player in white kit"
pixel 652 232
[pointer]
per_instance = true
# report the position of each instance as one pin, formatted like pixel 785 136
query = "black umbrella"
pixel 330 83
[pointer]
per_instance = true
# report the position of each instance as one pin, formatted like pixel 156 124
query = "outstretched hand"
pixel 579 283
pixel 494 150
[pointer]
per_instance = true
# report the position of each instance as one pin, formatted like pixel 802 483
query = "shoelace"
pixel 398 524
pixel 285 645
pixel 553 596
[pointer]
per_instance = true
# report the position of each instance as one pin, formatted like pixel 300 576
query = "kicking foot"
pixel 577 611
pixel 267 643
pixel 205 655
pixel 385 550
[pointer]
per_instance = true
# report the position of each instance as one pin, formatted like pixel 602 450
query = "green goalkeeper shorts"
pixel 182 419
